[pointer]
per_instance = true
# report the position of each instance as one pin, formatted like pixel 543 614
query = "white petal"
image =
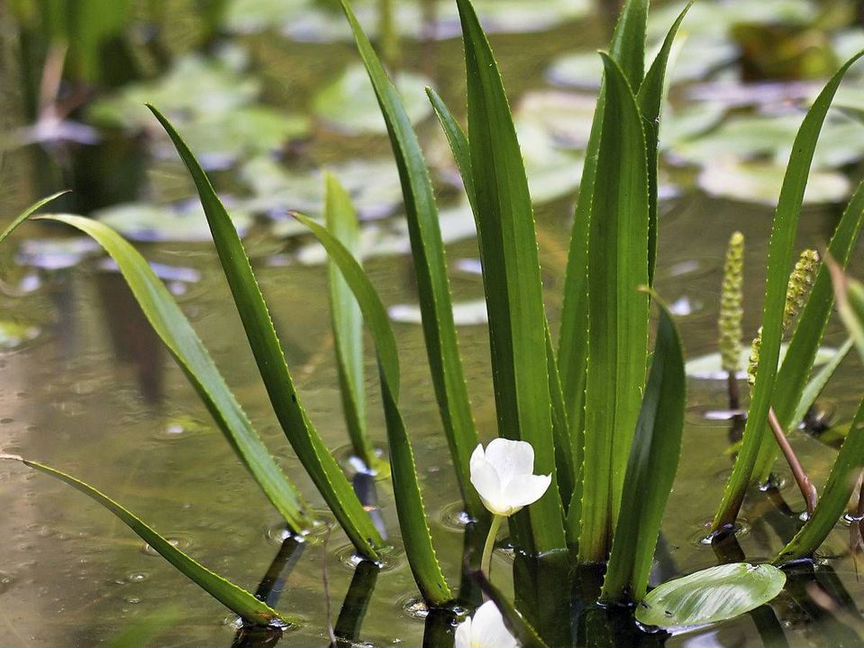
pixel 477 455
pixel 485 481
pixel 510 458
pixel 463 634
pixel 526 489
pixel 488 629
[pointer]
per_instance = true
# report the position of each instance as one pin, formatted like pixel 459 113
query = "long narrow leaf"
pixel 568 449
pixel 430 267
pixel 227 593
pixel 514 295
pixel 628 48
pixel 406 484
pixel 651 469
pixel 304 438
pixel 838 490
pixel 177 334
pixel 798 363
pixel 780 258
pixel 27 213
pixel 650 97
pixel 818 383
pixel 619 313
pixel 347 321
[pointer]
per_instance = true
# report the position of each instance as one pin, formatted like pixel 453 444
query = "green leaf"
pixel 347 322
pixel 514 291
pixel 177 333
pixel 406 485
pixel 804 347
pixel 850 304
pixel 304 438
pixel 650 98
pixel 568 449
pixel 817 384
pixel 628 44
pixel 711 595
pixel 780 260
pixel 27 213
pixel 835 498
pixel 619 313
pixel 227 593
pixel 650 470
pixel 430 267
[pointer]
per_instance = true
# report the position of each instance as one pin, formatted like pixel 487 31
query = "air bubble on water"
pixel 414 607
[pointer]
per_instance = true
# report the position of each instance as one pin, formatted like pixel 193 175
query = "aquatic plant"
pixel 601 411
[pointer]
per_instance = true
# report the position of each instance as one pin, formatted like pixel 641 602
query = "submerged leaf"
pixel 711 595
pixel 227 593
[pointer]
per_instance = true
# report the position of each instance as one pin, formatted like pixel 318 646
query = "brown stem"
pixel 734 391
pixel 801 478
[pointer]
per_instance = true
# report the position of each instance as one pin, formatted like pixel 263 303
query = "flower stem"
pixel 486 561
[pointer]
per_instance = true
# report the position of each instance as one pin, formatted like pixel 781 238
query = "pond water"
pixel 86 386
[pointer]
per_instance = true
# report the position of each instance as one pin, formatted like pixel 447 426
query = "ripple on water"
pixel 392 558
pixel 413 607
pixel 703 537
pixel 6 582
pixel 453 516
pixel 178 541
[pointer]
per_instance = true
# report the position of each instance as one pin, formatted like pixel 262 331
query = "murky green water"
pixel 95 394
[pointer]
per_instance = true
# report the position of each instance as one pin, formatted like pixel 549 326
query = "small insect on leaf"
pixel 711 595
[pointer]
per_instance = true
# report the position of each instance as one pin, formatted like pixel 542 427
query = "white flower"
pixel 485 630
pixel 503 476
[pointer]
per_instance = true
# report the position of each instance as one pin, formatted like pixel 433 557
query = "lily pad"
pixel 56 254
pixel 194 87
pixel 698 59
pixel 374 187
pixel 391 238
pixel 153 223
pixel 15 334
pixel 308 20
pixel 471 313
pixel 219 140
pixel 760 183
pixel 349 104
pixel 711 595
pixel 761 136
pixel 716 18
pixel 710 366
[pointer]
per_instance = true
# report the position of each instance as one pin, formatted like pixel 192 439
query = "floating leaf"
pixel 760 183
pixel 373 185
pixel 350 106
pixel 710 366
pixel 194 87
pixel 472 313
pixel 56 254
pixel 307 20
pixel 711 595
pixel 151 223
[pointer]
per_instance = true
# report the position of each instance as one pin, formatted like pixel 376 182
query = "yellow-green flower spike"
pixel 731 304
pixel 754 358
pixel 800 283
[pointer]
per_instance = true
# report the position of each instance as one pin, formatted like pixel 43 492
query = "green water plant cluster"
pixel 600 408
